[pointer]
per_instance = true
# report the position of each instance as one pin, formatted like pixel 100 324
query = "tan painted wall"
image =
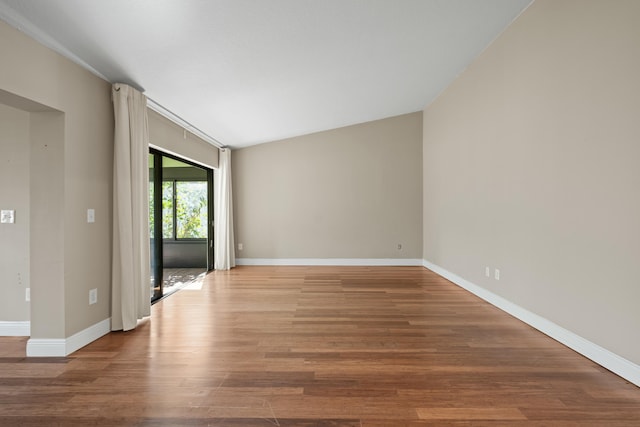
pixel 171 138
pixel 531 166
pixel 82 251
pixel 353 192
pixel 14 194
pixel 47 197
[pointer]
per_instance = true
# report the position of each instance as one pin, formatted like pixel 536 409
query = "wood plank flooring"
pixel 317 346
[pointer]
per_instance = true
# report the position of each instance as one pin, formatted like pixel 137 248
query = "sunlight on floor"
pixel 182 278
pixel 195 284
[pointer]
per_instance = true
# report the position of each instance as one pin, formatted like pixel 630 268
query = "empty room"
pixel 347 213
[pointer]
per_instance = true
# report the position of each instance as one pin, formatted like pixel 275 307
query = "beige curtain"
pixel 224 246
pixel 130 282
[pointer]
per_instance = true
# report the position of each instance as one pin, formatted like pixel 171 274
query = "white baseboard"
pixel 86 336
pixel 617 364
pixel 15 328
pixel 43 347
pixel 397 262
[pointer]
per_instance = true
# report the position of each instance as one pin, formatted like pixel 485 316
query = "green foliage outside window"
pixel 167 209
pixel 190 209
pixel 151 210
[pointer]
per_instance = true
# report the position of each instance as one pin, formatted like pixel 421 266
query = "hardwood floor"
pixel 317 346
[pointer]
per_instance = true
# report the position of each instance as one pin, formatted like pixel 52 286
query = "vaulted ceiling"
pixel 251 71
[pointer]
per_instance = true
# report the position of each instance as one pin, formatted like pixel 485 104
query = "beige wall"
pixel 14 194
pixel 171 138
pixel 531 166
pixel 72 149
pixel 47 225
pixel 353 192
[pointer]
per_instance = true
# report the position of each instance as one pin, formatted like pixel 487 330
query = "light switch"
pixel 91 215
pixel 7 216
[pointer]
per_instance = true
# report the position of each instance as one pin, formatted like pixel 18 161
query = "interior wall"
pixel 82 251
pixel 14 195
pixel 353 192
pixel 49 287
pixel 531 167
pixel 173 139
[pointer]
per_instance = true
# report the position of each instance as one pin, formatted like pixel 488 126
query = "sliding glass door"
pixel 180 221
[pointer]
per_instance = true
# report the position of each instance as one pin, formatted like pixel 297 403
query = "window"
pixel 167 209
pixel 184 209
pixel 191 209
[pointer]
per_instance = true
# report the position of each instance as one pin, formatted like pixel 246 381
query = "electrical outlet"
pixel 497 274
pixel 93 296
pixel 399 246
pixel 91 215
pixel 240 246
pixel 27 294
pixel 487 271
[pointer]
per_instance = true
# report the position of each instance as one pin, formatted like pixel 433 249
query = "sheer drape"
pixel 130 283
pixel 225 257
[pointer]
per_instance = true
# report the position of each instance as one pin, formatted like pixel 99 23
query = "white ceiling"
pixel 251 71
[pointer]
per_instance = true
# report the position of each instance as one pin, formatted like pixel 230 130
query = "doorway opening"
pixel 180 222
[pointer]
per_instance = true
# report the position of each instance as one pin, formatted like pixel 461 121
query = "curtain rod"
pixel 183 123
